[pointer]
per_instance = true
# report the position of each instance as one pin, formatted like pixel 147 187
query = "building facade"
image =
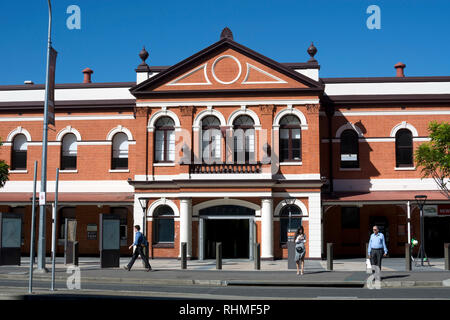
pixel 230 146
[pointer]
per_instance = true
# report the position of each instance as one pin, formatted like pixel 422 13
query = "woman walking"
pixel 300 240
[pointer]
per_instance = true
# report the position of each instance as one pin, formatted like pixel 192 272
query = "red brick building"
pixel 222 146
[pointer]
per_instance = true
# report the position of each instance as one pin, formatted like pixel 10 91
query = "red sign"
pixel 444 209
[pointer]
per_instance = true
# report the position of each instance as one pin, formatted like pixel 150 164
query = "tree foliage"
pixel 434 156
pixel 4 171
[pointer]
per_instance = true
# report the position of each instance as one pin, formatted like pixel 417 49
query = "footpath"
pixel 346 273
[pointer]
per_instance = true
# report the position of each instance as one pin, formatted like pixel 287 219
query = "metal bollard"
pixel 219 255
pixel 330 256
pixel 407 257
pixel 183 255
pixel 75 253
pixel 447 256
pixel 257 256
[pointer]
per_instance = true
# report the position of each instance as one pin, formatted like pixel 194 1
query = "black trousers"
pixel 376 255
pixel 139 251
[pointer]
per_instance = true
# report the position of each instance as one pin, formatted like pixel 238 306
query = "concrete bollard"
pixel 183 255
pixel 447 256
pixel 219 255
pixel 257 256
pixel 330 256
pixel 407 257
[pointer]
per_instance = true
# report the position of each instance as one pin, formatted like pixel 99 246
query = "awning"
pixel 382 196
pixel 70 197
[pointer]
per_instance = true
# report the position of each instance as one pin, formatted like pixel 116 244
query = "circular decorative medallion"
pixel 226 70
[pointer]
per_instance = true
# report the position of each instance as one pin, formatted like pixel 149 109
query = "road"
pixel 229 292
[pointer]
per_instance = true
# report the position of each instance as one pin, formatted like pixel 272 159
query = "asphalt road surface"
pixel 230 292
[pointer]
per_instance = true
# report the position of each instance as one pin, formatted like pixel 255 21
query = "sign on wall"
pixel 444 209
pixel 430 210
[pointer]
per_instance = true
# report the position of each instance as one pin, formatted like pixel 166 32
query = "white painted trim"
pixel 118 170
pixel 389 113
pixel 163 113
pixel 118 129
pixel 68 118
pixel 252 114
pixel 404 125
pixel 218 194
pixel 350 126
pixel 250 66
pixel 229 102
pixel 164 164
pixel 225 201
pixel 208 112
pixel 349 169
pixel 223 57
pixel 18 171
pixel 16 131
pixel 397 88
pixel 68 171
pixel 287 111
pixel 161 202
pixel 405 169
pixel 427 184
pixel 175 82
pixel 71 186
pixel 297 202
pixel 66 130
pixel 96 143
pixel 291 163
pixel 370 139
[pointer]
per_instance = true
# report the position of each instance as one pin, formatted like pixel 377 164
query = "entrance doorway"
pixel 233 226
pixel 232 233
pixel 437 232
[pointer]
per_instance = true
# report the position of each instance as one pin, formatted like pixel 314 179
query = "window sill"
pixel 405 169
pixel 18 171
pixel 163 245
pixel 68 171
pixel 299 163
pixel 119 170
pixel 349 169
pixel 162 164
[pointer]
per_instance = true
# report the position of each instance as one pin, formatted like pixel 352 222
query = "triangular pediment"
pixel 226 66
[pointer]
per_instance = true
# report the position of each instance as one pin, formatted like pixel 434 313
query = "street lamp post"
pixel 143 202
pixel 421 199
pixel 42 204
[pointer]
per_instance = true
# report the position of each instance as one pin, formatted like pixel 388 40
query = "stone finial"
pixel 143 55
pixel 226 33
pixel 312 50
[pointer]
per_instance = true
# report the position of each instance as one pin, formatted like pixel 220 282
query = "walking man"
pixel 139 242
pixel 377 246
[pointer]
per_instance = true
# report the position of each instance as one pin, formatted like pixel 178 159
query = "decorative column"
pixel 267 229
pixel 186 225
pixel 185 135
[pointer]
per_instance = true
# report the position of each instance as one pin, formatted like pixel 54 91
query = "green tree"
pixel 434 156
pixel 4 171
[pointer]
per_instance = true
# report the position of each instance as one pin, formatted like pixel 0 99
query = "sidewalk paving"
pixel 347 273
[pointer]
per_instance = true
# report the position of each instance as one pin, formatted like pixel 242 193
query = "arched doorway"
pixel 232 225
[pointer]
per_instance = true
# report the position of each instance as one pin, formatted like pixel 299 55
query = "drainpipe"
pixel 330 112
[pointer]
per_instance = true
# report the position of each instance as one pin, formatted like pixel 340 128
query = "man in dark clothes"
pixel 139 242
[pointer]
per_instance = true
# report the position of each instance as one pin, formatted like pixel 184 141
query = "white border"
pixel 16 131
pixel 350 126
pixel 250 66
pixel 244 111
pixel 223 57
pixel 118 129
pixel 162 202
pixel 175 82
pixel 297 202
pixel 66 130
pixel 225 201
pixel 404 125
pixel 287 111
pixel 163 113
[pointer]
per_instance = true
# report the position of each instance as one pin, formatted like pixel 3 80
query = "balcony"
pixel 225 168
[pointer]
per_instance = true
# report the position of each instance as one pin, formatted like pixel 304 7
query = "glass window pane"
pixel 20 143
pixel 165 230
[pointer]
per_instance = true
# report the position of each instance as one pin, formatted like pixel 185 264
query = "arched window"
pixel 165 140
pixel 19 153
pixel 163 225
pixel 349 149
pixel 296 220
pixel 211 139
pixel 69 152
pixel 244 139
pixel 290 139
pixel 403 148
pixel 119 151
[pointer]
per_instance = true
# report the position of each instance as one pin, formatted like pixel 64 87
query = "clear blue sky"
pixel 113 32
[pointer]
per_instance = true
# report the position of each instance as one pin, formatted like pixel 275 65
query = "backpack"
pixel 144 241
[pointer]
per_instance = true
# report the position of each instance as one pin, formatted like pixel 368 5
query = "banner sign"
pixel 444 209
pixel 51 88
